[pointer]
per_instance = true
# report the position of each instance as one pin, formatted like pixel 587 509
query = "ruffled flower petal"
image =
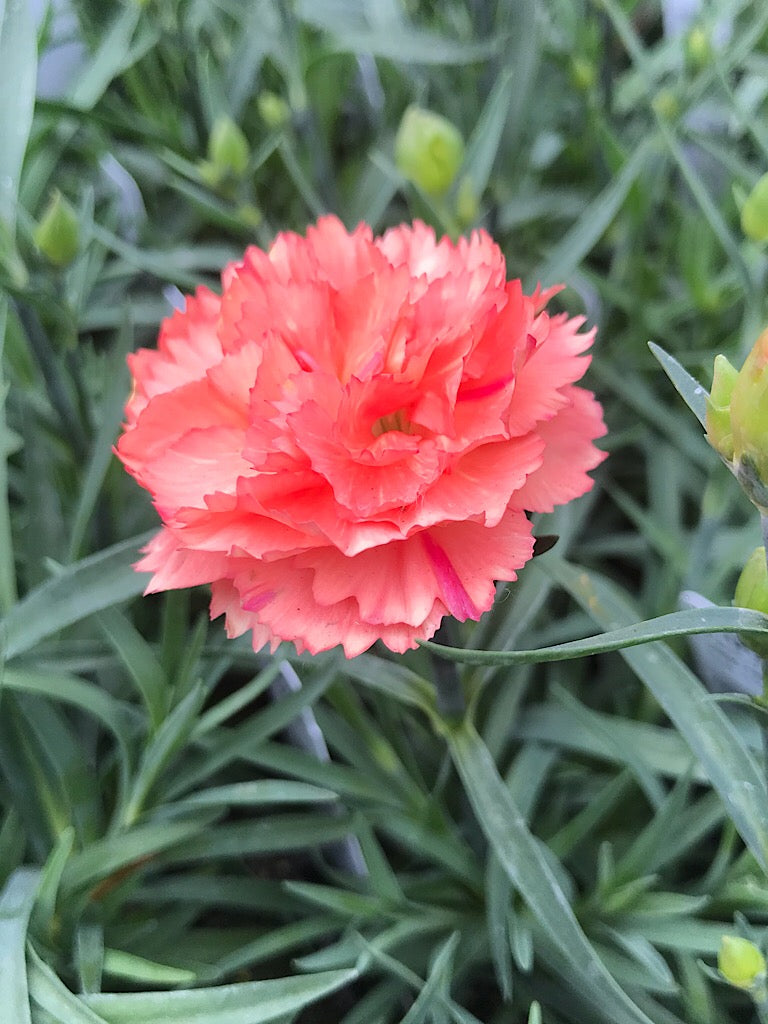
pixel 344 445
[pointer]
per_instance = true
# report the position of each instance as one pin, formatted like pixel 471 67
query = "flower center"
pixel 392 421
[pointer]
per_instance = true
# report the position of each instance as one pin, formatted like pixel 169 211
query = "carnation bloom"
pixel 345 443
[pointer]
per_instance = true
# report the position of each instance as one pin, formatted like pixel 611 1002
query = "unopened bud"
pixel 754 212
pixel 583 73
pixel 666 104
pixel 741 963
pixel 749 423
pixel 429 150
pixel 273 109
pixel 57 236
pixel 698 48
pixel 227 154
pixel 719 432
pixel 752 592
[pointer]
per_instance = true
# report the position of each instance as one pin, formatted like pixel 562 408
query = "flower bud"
pixel 754 212
pixel 57 235
pixel 227 154
pixel 698 48
pixel 752 592
pixel 273 109
pixel 429 150
pixel 719 432
pixel 741 963
pixel 583 73
pixel 666 104
pixel 749 423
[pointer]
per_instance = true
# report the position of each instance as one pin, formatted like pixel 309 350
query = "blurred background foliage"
pixel 173 847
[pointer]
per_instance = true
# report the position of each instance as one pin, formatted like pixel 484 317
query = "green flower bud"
pixel 273 109
pixel 741 963
pixel 754 212
pixel 719 432
pixel 752 592
pixel 583 73
pixel 429 150
pixel 57 235
pixel 666 104
pixel 228 148
pixel 698 48
pixel 749 423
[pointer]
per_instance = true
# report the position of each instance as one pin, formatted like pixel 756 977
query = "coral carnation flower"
pixel 345 443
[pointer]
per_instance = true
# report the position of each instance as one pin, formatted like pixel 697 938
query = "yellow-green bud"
pixel 583 73
pixel 754 212
pixel 273 109
pixel 698 48
pixel 228 148
pixel 57 235
pixel 429 150
pixel 719 432
pixel 752 592
pixel 666 104
pixel 749 423
pixel 741 963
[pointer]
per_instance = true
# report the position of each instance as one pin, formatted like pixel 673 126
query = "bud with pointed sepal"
pixel 57 235
pixel 742 964
pixel 429 150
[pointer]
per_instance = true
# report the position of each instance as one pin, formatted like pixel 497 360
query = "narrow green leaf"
pixel 685 623
pixel 588 229
pixel 262 793
pixel 109 418
pixel 719 747
pixel 131 848
pixel 45 907
pixel 438 979
pixel 160 751
pixel 113 55
pixel 530 873
pixel 90 585
pixel 18 74
pixel 140 971
pixel 253 1002
pixel 16 903
pixel 48 992
pixel 89 956
pixel 693 394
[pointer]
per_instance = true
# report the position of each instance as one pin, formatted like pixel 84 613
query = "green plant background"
pixel 574 848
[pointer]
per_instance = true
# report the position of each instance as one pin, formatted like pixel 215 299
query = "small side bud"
pixel 273 109
pixel 754 212
pixel 228 154
pixel 741 963
pixel 698 48
pixel 57 235
pixel 719 432
pixel 749 422
pixel 752 592
pixel 429 150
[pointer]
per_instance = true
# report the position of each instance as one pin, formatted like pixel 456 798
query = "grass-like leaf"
pixel 730 766
pixel 693 394
pixel 685 623
pixel 16 902
pixel 530 873
pixel 253 1002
